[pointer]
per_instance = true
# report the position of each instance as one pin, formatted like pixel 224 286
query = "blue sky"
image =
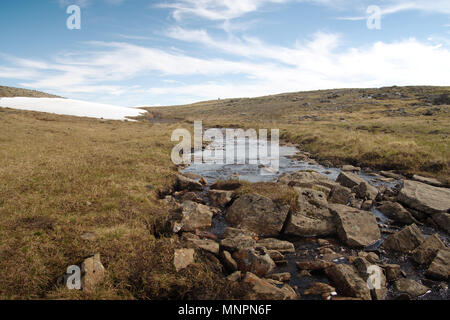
pixel 161 52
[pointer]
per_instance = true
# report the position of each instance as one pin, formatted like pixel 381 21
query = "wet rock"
pixel 319 288
pixel 264 290
pixel 365 191
pixel 356 228
pixel 228 261
pixel 426 252
pixel 440 267
pixel 308 179
pixel 396 212
pixel 391 174
pixel 220 198
pixel 278 245
pixel 207 245
pixel 312 217
pixel 226 185
pixel 183 258
pixel 185 183
pixel 393 272
pixel 348 282
pixel 425 198
pixel 258 214
pixel 237 243
pixel 195 216
pixel 282 277
pixel 236 276
pixel 350 168
pixel 430 181
pixel 254 260
pixel 410 287
pixel 349 180
pixel 405 240
pixel 339 194
pixel 442 221
pixel 93 273
pixel 315 265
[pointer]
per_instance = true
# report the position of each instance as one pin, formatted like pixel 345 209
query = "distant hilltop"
pixel 10 92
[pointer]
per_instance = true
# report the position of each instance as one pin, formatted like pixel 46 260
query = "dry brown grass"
pixel 64 176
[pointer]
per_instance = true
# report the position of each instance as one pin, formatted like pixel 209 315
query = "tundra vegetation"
pixel 71 187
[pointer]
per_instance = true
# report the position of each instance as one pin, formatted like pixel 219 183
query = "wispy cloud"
pixel 313 64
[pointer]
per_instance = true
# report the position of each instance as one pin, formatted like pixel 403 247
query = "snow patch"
pixel 71 107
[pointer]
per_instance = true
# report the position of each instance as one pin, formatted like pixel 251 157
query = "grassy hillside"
pixel 9 92
pixel 402 128
pixel 63 177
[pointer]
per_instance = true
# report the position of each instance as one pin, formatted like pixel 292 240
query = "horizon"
pixel 175 52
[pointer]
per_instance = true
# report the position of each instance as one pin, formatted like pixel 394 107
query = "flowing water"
pixel 306 248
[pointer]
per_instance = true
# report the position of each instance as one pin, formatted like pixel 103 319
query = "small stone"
pixel 93 273
pixel 282 277
pixel 183 258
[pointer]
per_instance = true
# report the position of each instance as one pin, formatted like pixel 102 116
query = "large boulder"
pixel 405 240
pixel 410 287
pixel 308 179
pixel 340 194
pixel 426 252
pixel 258 214
pixel 396 212
pixel 356 228
pixel 349 180
pixel 366 191
pixel 264 290
pixel 312 216
pixel 195 216
pixel 237 243
pixel 425 198
pixel 347 281
pixel 255 260
pixel 442 221
pixel 440 267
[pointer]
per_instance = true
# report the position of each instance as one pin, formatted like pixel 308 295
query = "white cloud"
pixel 319 63
pixel 215 9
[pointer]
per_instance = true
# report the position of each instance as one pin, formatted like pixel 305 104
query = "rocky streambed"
pixel 351 234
